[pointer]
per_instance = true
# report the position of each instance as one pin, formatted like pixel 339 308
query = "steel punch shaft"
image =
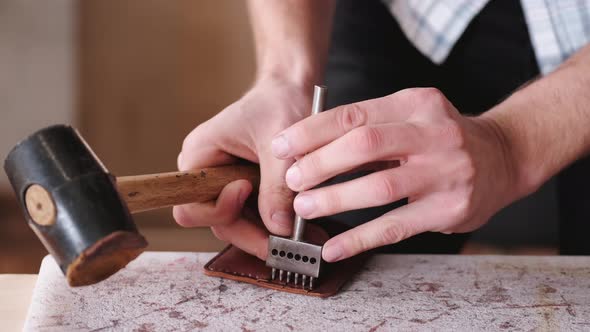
pixel 318 105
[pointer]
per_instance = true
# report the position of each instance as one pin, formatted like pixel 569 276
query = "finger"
pixel 275 199
pixel 226 209
pixel 395 226
pixel 205 157
pixel 245 235
pixel 375 189
pixel 199 149
pixel 360 146
pixel 318 130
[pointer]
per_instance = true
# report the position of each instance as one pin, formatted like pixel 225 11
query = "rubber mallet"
pixel 82 213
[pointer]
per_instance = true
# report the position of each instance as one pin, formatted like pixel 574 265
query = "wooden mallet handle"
pixel 153 191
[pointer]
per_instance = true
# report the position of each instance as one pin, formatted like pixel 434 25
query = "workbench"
pixel 168 291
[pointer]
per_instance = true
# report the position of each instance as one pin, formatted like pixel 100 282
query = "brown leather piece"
pixel 235 264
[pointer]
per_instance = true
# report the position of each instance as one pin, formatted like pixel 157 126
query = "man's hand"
pixel 244 130
pixel 455 170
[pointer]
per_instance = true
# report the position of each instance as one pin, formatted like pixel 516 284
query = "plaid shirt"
pixel 558 28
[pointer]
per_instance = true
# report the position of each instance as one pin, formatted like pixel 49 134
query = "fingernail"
pixel 280 146
pixel 304 205
pixel 282 218
pixel 332 253
pixel 293 177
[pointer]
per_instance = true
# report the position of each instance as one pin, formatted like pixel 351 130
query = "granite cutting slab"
pixel 166 291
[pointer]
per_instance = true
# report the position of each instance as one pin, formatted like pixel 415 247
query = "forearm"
pixel 546 125
pixel 292 38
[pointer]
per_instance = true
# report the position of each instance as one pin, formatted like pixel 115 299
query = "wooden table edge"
pixel 17 291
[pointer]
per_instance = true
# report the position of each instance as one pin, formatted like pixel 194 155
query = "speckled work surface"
pixel 168 292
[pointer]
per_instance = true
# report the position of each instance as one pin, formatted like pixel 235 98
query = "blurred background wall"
pixel 135 76
pixel 150 71
pixel 37 68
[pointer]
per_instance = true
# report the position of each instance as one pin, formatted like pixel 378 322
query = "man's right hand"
pixel 245 130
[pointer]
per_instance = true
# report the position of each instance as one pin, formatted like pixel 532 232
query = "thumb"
pixel 275 199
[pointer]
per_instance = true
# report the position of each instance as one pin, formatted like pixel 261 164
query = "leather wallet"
pixel 235 264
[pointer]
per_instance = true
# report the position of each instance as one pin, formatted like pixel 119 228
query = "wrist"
pixel 294 75
pixel 524 179
pixel 296 69
pixel 295 84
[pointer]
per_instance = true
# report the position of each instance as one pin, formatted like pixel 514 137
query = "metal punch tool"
pixel 294 256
